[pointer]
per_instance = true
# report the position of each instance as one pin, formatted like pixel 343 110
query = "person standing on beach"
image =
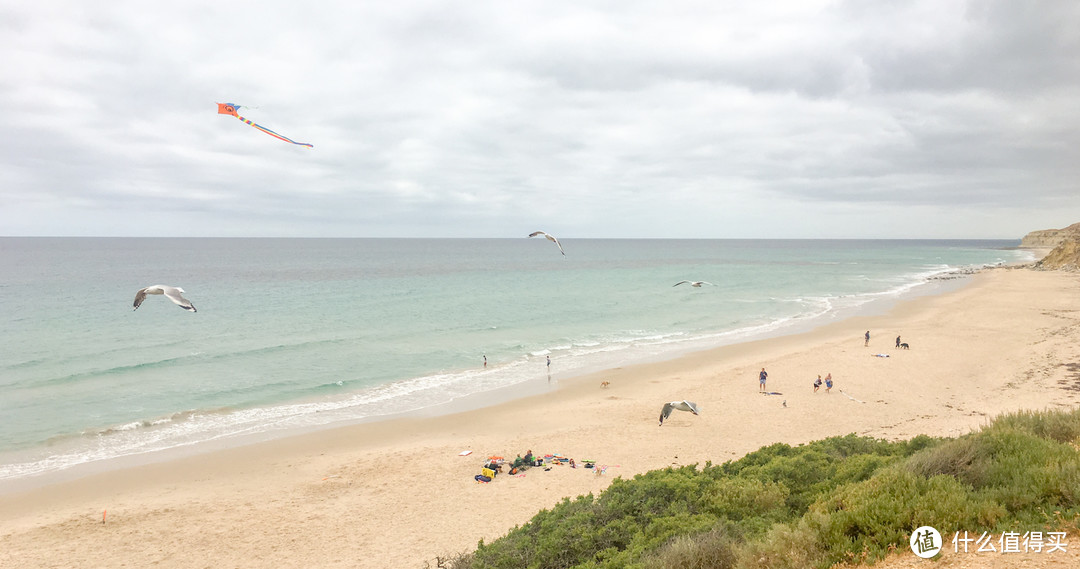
pixel 761 379
pixel 817 383
pixel 828 383
pixel 867 342
pixel 898 342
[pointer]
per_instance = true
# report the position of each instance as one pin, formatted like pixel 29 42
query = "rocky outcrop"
pixel 1063 244
pixel 1066 256
pixel 1050 238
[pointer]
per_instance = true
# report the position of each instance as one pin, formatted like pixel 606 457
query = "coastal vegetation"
pixel 842 499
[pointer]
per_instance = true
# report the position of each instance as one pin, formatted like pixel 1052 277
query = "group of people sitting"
pixel 494 465
pixel 520 463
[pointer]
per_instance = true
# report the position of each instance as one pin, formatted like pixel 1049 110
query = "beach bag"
pixel 482 478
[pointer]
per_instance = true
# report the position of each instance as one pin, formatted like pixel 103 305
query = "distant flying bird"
pixel 171 292
pixel 549 238
pixel 680 405
pixel 693 283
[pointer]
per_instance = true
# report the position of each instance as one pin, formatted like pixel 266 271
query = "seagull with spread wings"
pixel 549 238
pixel 680 405
pixel 693 283
pixel 173 293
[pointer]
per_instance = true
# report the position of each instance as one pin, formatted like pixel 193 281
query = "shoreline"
pixel 985 348
pixel 131 435
pixel 940 283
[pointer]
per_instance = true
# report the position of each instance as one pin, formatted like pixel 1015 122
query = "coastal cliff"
pixel 1065 243
pixel 1050 238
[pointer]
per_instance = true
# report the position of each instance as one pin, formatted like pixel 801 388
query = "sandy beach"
pixel 397 493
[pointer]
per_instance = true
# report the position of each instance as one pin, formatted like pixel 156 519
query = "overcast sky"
pixel 711 119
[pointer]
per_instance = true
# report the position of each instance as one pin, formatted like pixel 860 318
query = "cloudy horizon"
pixel 599 119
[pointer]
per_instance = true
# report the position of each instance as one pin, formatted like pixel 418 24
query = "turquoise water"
pixel 299 333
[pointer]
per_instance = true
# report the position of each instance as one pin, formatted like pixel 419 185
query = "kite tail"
pixel 272 133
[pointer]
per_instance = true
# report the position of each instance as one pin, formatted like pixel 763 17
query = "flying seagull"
pixel 549 238
pixel 693 283
pixel 680 405
pixel 171 292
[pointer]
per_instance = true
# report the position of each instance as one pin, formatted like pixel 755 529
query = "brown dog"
pixel 604 384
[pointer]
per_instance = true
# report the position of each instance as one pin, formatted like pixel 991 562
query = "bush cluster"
pixel 840 499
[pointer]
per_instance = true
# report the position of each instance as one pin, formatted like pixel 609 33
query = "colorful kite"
pixel 230 109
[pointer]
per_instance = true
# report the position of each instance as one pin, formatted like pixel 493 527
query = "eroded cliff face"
pixel 1064 245
pixel 1050 238
pixel 1065 256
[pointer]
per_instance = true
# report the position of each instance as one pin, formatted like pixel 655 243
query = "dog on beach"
pixel 604 384
pixel 904 346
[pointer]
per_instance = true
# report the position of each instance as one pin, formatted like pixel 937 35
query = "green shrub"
pixel 872 515
pixel 756 504
pixel 785 546
pixel 1059 426
pixel 1011 464
pixel 809 470
pixel 837 500
pixel 714 549
pixel 952 458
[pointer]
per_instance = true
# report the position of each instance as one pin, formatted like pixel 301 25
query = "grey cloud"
pixel 1018 48
pixel 691 119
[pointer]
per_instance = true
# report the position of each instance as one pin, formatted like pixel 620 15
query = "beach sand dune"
pixel 397 493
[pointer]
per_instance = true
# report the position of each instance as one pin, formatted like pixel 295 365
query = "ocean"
pixel 300 334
